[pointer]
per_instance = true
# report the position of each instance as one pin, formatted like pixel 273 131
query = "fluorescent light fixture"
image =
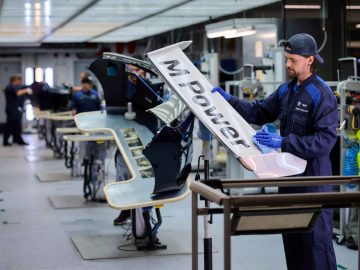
pixel 221 33
pixel 268 35
pixel 302 6
pixel 241 33
pixel 353 7
pixel 239 27
pixel 27 6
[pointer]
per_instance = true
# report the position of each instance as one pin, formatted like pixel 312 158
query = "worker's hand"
pixel 269 139
pixel 225 95
pixel 29 91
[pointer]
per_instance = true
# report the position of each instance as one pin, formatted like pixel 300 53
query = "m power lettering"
pixel 211 112
pixel 171 66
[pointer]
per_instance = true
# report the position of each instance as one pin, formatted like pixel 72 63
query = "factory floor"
pixel 34 235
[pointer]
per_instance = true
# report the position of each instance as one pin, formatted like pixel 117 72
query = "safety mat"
pixel 73 201
pixel 55 176
pixel 92 247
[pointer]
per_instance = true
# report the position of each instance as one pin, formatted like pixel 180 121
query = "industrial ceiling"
pixel 24 22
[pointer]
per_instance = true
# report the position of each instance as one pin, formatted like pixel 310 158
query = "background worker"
pixel 308 114
pixel 123 172
pixel 85 100
pixel 13 109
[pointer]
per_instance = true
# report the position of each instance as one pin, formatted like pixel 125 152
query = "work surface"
pixel 137 191
pixel 37 236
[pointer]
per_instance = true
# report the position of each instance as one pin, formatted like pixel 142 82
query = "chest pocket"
pixel 299 124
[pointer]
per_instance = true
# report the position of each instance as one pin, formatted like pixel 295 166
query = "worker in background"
pixel 13 108
pixel 123 171
pixel 85 100
pixel 132 79
pixel 308 114
pixel 84 75
pixel 95 86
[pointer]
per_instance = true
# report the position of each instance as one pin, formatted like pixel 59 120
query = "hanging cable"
pixel 280 42
pixel 230 72
pixel 323 26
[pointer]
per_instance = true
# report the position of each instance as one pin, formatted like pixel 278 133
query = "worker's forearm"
pixel 22 91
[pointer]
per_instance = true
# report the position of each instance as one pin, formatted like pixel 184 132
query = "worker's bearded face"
pixel 298 65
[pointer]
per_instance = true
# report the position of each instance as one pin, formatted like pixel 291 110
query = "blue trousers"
pixel 313 250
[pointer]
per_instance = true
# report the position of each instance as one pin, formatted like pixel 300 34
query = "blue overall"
pixel 85 101
pixel 308 117
pixel 13 113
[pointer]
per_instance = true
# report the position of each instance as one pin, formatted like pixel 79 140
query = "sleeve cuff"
pixel 232 100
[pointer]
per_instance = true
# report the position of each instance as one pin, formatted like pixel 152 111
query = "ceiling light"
pixel 302 6
pixel 357 26
pixel 352 7
pixel 240 27
pixel 268 35
pixel 220 33
pixel 27 6
pixel 241 33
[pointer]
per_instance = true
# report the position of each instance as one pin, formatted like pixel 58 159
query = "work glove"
pixel 269 139
pixel 225 95
pixel 29 91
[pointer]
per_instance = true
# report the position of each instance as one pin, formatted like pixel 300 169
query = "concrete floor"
pixel 33 235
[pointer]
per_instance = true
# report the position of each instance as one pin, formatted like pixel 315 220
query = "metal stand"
pixel 151 241
pixel 207 226
pixel 207 218
pixel 272 206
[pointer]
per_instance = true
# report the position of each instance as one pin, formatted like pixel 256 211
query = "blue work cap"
pixel 303 44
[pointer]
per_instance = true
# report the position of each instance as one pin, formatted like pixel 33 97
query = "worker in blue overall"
pixel 92 153
pixel 14 92
pixel 85 100
pixel 308 114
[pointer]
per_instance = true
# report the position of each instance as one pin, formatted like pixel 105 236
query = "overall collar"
pixel 310 79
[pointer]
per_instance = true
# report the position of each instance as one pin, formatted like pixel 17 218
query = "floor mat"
pixel 73 201
pixel 92 247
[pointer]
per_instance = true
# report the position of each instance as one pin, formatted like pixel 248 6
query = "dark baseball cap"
pixel 303 44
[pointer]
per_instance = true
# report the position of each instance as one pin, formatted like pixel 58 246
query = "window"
pixel 39 74
pixel 29 75
pixel 49 76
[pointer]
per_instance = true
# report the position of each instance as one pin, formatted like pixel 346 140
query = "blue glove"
pixel 225 95
pixel 269 139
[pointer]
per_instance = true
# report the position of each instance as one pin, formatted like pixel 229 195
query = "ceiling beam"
pixel 140 20
pixel 71 18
